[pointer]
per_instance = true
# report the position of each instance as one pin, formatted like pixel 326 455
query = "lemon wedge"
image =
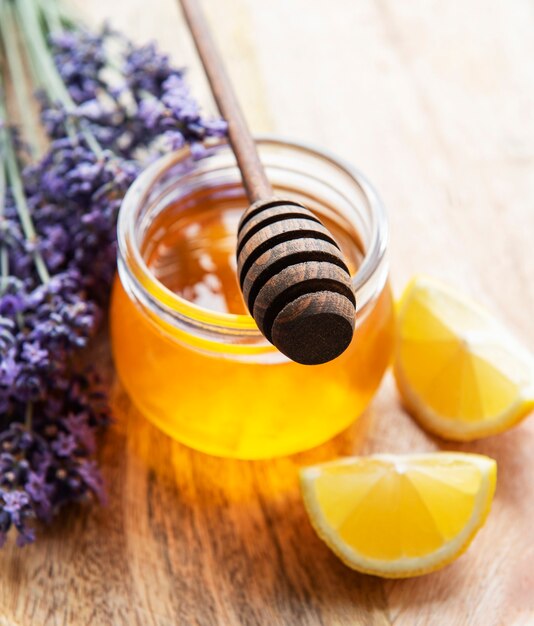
pixel 460 373
pixel 398 516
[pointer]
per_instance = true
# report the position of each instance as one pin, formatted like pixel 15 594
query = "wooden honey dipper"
pixel 294 279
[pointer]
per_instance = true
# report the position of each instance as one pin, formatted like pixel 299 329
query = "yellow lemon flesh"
pixel 397 516
pixel 460 373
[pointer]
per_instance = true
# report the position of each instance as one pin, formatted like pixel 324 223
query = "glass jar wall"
pixel 185 348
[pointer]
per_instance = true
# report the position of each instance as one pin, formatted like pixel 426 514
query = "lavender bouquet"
pixel 107 108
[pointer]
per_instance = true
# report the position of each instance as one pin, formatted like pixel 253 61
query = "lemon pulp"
pixel 398 516
pixel 459 371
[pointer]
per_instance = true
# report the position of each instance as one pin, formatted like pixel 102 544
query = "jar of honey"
pixel 185 347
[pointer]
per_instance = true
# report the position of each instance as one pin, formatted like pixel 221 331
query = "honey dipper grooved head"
pixel 295 281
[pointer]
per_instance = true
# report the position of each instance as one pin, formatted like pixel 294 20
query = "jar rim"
pixel 174 305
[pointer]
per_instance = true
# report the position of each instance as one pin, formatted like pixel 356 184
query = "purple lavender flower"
pixel 44 327
pixel 150 111
pixel 14 502
pixel 9 369
pixel 11 304
pixel 83 223
pixel 91 477
pixel 37 488
pixel 78 425
pixel 129 111
pixel 170 110
pixel 16 510
pixel 146 69
pixel 33 354
pixel 47 465
pixel 80 58
pixel 64 445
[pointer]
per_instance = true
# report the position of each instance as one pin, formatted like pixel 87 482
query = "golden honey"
pixel 184 346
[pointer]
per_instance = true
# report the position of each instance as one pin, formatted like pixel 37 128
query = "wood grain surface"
pixel 434 101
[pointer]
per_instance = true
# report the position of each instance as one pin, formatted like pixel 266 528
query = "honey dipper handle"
pixel 296 284
pixel 255 181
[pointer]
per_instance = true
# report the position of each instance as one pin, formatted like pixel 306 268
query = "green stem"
pixel 37 47
pixel 17 72
pixel 23 210
pixel 14 179
pixel 58 16
pixel 52 15
pixel 4 257
pixel 36 78
pixel 4 264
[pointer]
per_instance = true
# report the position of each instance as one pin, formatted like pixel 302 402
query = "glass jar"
pixel 210 379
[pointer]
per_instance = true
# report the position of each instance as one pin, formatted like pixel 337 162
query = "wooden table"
pixel 434 102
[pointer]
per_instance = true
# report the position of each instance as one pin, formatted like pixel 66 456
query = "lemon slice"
pixel 398 516
pixel 461 374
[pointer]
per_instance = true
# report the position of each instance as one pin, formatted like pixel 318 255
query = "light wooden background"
pixel 434 100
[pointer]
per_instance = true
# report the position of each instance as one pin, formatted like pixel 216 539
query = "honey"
pixel 191 358
pixel 191 249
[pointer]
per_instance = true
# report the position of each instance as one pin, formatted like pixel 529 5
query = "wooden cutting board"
pixel 434 102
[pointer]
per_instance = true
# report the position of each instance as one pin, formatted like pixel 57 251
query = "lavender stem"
pixel 52 15
pixel 38 49
pixel 17 73
pixel 14 179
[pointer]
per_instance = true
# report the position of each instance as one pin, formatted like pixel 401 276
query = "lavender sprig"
pixel 130 96
pixel 44 321
pixel 75 198
pixel 108 107
pixel 48 463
